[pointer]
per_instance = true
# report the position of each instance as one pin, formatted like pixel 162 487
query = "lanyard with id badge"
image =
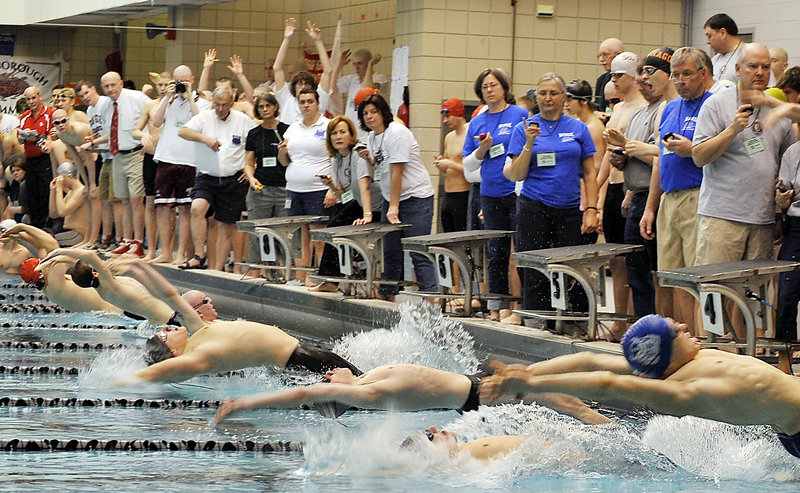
pixel 755 144
pixel 269 161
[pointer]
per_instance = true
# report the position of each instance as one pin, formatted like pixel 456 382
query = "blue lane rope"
pixel 80 445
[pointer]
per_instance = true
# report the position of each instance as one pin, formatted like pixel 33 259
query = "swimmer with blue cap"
pixel 664 369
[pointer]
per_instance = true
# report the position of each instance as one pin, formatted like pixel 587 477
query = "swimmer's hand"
pixel 507 379
pixel 225 409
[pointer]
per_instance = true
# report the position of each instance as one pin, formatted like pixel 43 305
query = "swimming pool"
pixel 358 453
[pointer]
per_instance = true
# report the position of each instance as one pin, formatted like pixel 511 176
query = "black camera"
pixel 180 87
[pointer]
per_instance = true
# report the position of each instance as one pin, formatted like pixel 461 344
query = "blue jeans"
pixel 419 214
pixel 541 226
pixel 788 283
pixel 640 265
pixel 499 213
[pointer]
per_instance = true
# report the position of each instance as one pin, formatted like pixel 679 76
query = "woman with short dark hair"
pixel 405 187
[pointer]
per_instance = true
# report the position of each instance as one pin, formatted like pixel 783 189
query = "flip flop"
pixel 187 266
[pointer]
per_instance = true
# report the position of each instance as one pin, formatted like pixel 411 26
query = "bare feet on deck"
pixel 324 287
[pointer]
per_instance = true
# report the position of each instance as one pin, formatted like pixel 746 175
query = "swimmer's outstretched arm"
pixel 40 240
pixel 578 362
pixel 351 395
pixel 161 288
pixel 663 396
pixel 172 370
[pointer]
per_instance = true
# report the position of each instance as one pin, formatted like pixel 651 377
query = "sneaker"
pixel 123 247
pixel 96 246
pixel 135 248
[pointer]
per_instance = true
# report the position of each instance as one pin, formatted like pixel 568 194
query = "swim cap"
pixel 648 346
pixel 27 270
pixel 362 94
pixel 776 93
pixel 660 59
pixel 453 107
pixel 625 63
pixel 580 89
pixel 7 224
pixel 156 350
pixel 67 169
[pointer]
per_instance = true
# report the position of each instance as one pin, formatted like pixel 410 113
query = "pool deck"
pixel 328 316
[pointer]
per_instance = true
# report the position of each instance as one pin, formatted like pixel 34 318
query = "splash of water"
pixel 553 446
pixel 717 450
pixel 422 336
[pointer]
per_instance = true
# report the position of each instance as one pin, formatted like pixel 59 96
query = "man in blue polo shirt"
pixel 675 181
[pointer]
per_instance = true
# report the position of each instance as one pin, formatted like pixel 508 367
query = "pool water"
pixel 359 452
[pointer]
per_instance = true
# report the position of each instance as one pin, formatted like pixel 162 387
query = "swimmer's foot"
pixel 378 295
pixel 494 315
pixel 614 334
pixel 178 260
pixel 324 287
pixel 149 257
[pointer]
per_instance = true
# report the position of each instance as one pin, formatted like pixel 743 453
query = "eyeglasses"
pixel 428 434
pixel 683 75
pixel 204 302
pixel 62 96
pixel 490 85
pixel 60 122
pixel 649 70
pixel 552 94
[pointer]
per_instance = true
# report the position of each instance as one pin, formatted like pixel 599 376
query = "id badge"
pixel 347 196
pixel 753 146
pixel 288 204
pixel 269 162
pixel 497 150
pixel 667 152
pixel 179 124
pixel 545 159
pixel 378 174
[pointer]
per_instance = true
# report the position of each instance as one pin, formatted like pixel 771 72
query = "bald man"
pixel 127 161
pixel 780 62
pixel 34 126
pixel 608 50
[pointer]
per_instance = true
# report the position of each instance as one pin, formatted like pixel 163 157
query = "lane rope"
pixel 61 346
pixel 76 445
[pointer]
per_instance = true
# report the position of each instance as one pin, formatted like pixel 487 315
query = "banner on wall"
pixel 19 73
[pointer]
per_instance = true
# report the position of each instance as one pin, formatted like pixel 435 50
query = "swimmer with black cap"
pixel 218 346
pixel 397 387
pixel 664 368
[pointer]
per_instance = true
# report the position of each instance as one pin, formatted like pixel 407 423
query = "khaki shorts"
pixel 105 182
pixel 128 175
pixel 677 229
pixel 721 240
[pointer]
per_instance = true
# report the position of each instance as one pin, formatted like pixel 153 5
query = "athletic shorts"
pixel 173 184
pixel 225 195
pixel 149 175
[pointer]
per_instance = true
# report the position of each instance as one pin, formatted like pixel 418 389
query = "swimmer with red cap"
pixel 664 369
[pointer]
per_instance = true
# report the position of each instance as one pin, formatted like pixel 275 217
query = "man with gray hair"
pixel 608 50
pixel 740 160
pixel 219 135
pixel 121 117
pixel 675 180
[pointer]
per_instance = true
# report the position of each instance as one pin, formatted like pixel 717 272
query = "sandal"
pixel 201 263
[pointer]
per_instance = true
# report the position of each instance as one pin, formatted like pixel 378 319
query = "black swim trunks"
pixel 318 360
pixel 473 399
pixel 791 443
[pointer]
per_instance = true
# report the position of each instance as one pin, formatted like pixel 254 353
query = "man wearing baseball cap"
pixel 610 179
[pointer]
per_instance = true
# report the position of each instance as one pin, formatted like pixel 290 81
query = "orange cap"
pixel 28 272
pixel 362 94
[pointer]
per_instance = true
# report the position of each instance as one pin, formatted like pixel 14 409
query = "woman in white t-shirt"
pixel 405 187
pixel 304 153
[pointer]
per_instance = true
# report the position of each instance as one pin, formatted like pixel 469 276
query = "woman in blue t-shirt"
pixel 551 153
pixel 486 147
